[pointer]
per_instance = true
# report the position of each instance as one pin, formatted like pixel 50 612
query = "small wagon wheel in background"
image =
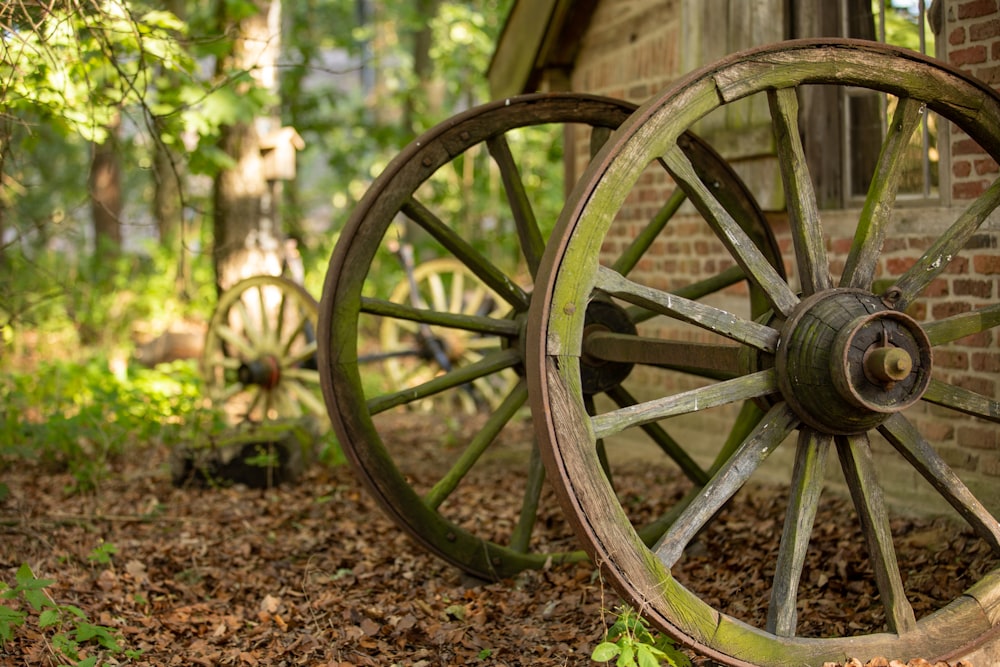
pixel 838 360
pixel 423 351
pixel 260 350
pixel 357 300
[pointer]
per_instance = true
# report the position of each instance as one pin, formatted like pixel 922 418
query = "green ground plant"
pixel 71 636
pixel 631 643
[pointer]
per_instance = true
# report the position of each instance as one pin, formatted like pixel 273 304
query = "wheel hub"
pixel 846 362
pixel 264 372
pixel 598 375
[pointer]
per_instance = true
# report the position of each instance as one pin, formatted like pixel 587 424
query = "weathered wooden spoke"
pixel 747 254
pixel 844 363
pixel 481 339
pixel 528 233
pixel 803 213
pixel 804 494
pixel 260 351
pixel 492 276
pixel 859 269
pixel 947 246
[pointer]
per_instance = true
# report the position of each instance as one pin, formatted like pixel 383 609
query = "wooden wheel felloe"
pixel 358 300
pixel 260 350
pixel 843 360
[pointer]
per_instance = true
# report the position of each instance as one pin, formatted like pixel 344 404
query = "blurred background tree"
pixel 126 125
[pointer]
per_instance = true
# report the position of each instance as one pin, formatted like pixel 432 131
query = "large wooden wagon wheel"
pixel 355 303
pixel 260 350
pixel 839 359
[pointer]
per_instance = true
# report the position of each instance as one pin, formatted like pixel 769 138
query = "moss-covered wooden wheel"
pixel 417 352
pixel 259 361
pixel 483 148
pixel 843 361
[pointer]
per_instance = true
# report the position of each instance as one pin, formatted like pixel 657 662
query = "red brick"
pixel 957 36
pixel 978 288
pixel 939 311
pixel 987 265
pixel 985 30
pixel 988 362
pixel 971 55
pixel 966 147
pixel 981 386
pixel 961 168
pixel 990 466
pixel 978 438
pixel 959 266
pixel 987 166
pixel 976 8
pixel 969 190
pixel 955 359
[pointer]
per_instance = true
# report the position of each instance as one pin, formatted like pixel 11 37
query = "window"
pixel 867 113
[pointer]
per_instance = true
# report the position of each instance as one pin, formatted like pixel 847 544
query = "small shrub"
pixel 630 640
pixel 65 626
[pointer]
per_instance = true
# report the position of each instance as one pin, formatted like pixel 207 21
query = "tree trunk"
pixel 246 239
pixel 167 186
pixel 105 184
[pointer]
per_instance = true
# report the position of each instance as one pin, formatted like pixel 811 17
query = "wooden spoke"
pixel 708 317
pixel 662 439
pixel 301 355
pixel 695 291
pixel 521 536
pixel 454 378
pixel 241 345
pixel 866 492
pixel 303 395
pixel 744 251
pixel 743 388
pixel 962 325
pixel 477 446
pixel 922 456
pixel 859 270
pixel 962 400
pixel 488 326
pixel 704 359
pixel 803 213
pixel 306 376
pixel 734 473
pixel 476 262
pixel 946 247
pixel 530 237
pixel 805 488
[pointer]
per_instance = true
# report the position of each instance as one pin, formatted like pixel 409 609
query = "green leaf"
pixel 9 619
pixel 604 652
pixel 649 656
pixel 48 618
pixel 627 657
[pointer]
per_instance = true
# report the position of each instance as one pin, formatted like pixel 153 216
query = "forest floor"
pixel 314 573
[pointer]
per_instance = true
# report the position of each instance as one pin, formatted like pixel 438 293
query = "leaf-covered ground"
pixel 315 574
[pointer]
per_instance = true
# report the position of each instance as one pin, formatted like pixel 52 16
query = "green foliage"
pixel 80 66
pixel 66 626
pixel 79 417
pixel 631 641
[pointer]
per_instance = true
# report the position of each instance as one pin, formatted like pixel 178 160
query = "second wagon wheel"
pixel 260 350
pixel 414 465
pixel 846 363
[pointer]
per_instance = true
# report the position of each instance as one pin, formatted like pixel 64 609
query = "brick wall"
pixel 632 51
